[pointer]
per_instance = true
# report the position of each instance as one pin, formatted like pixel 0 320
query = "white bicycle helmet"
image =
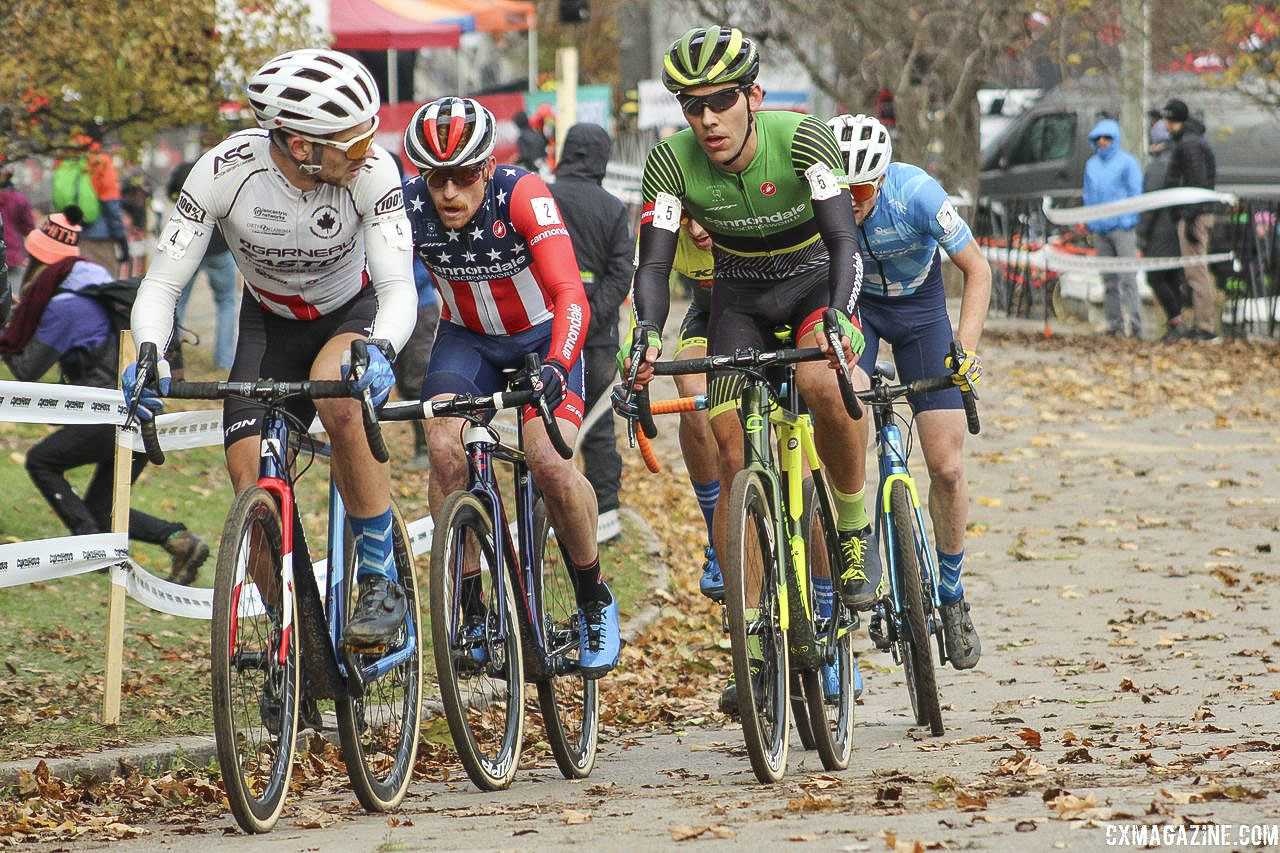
pixel 450 132
pixel 866 146
pixel 313 91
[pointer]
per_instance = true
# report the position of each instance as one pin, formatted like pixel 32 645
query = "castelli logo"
pixel 768 188
pixel 499 230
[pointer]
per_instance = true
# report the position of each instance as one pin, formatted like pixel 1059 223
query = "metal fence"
pixel 1249 283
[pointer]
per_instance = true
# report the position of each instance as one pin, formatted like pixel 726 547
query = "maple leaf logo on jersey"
pixel 324 223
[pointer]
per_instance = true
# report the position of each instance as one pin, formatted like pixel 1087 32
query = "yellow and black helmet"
pixel 710 55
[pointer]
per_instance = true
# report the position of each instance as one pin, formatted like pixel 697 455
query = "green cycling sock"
pixel 851 510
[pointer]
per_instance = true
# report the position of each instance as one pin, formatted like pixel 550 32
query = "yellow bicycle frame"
pixel 796 448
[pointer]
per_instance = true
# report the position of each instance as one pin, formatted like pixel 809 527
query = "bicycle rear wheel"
pixel 253 663
pixel 379 730
pixel 476 642
pixel 913 643
pixel 570 703
pixel 831 719
pixel 755 633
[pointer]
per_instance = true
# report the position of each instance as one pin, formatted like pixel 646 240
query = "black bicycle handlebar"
pixel 259 389
pixel 147 359
pixel 372 432
pixel 741 360
pixel 469 404
pixel 967 396
pixel 844 373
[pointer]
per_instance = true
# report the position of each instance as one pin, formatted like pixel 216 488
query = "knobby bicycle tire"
pixel 570 704
pixel 483 699
pixel 917 654
pixel 252 690
pixel 379 731
pixel 832 724
pixel 765 725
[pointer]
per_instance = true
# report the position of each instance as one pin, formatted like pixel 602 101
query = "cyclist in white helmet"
pixel 314 213
pixel 904 218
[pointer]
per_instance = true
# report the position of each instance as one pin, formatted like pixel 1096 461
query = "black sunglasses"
pixel 718 102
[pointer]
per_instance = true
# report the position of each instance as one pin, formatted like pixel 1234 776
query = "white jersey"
pixel 303 254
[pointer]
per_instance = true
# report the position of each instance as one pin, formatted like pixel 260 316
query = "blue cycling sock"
pixel 708 494
pixel 372 539
pixel 950 590
pixel 826 598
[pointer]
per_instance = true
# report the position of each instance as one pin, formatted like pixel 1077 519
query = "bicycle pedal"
pixel 377 650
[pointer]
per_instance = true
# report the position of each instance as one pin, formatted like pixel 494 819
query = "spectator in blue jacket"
pixel 1113 174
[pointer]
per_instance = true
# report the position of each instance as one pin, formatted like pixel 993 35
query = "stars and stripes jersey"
pixel 509 269
pixel 303 253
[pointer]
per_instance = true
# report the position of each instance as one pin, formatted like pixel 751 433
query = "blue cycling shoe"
pixel 712 584
pixel 831 682
pixel 599 639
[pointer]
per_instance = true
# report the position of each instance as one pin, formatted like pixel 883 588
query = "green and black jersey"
pixel 785 215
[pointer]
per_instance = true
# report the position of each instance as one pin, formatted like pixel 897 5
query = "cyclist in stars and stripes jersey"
pixel 498 251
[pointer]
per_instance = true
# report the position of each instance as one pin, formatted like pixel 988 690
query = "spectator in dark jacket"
pixel 1193 164
pixel 531 145
pixel 1158 233
pixel 18 222
pixel 602 240
pixel 56 324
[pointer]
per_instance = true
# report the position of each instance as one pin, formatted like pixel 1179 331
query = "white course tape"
pixel 1135 204
pixel 46 559
pixel 46 403
pixel 1052 259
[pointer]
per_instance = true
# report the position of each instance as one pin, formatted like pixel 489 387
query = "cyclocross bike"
pixel 908 616
pixel 271 632
pixel 503 609
pixel 781 532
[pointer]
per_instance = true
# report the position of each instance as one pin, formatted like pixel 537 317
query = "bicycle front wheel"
pixel 253 663
pixel 830 717
pixel 913 644
pixel 379 730
pixel 755 627
pixel 570 703
pixel 476 642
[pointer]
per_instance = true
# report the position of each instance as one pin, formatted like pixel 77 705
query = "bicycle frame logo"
pixel 755 423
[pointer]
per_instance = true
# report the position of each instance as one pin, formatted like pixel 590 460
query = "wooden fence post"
pixel 119 524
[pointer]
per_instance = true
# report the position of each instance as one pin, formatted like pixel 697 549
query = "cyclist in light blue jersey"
pixel 905 221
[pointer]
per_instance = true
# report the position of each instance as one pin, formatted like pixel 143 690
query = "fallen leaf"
pixel 681 832
pixel 573 818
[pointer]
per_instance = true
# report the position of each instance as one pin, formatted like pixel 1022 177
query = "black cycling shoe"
pixel 860 579
pixel 378 615
pixel 729 696
pixel 959 636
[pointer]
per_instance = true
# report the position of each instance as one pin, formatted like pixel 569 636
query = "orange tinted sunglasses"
pixel 864 192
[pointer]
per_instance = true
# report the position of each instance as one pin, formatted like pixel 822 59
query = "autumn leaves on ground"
pixel 1122 569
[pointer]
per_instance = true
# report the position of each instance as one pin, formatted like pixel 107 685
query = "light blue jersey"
pixel 900 238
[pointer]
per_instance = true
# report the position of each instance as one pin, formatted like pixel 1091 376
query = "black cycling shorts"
pixel 745 315
pixel 284 349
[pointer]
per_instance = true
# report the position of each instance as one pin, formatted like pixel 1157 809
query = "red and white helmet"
pixel 314 91
pixel 449 132
pixel 865 144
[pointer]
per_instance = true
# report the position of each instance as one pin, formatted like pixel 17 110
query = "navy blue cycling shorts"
pixel 919 330
pixel 464 362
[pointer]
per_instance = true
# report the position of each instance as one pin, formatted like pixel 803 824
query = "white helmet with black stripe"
pixel 865 144
pixel 313 91
pixel 450 132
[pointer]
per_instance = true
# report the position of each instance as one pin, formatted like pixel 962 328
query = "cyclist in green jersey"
pixel 765 186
